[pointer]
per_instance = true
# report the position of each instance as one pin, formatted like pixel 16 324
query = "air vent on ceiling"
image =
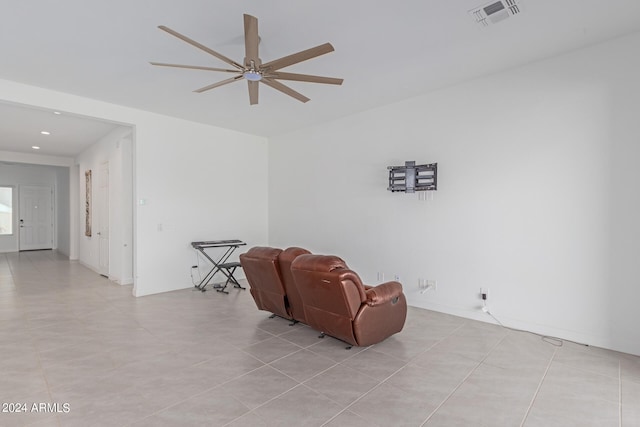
pixel 496 11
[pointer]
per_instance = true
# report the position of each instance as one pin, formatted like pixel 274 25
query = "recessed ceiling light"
pixel 44 132
pixel 35 147
pixel 57 112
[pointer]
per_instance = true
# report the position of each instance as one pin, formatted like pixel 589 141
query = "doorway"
pixel 36 217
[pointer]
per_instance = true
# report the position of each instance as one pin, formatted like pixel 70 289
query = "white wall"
pixel 182 170
pixel 536 197
pixel 112 149
pixel 56 177
pixel 197 183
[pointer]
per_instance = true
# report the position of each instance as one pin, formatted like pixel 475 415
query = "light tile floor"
pixel 186 358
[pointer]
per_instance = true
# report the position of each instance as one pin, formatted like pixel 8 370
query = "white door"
pixel 36 218
pixel 103 219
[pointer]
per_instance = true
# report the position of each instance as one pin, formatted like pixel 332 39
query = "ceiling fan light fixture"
pixel 252 75
pixel 253 70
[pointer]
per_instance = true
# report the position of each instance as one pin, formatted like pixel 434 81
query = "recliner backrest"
pixel 285 259
pixel 332 294
pixel 262 271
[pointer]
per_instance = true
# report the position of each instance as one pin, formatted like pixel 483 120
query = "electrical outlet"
pixel 396 277
pixel 484 294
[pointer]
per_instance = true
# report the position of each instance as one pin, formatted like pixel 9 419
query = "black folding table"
pixel 219 265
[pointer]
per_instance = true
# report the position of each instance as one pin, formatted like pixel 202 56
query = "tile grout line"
pixel 279 395
pixel 41 368
pixel 346 408
pixel 196 395
pixel 535 395
pixel 463 381
pixel 218 385
pixel 303 383
pixel 587 370
pixel 299 383
pixel 364 395
pixel 619 393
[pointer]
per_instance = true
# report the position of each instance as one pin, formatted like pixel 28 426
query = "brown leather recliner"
pixel 337 303
pixel 262 270
pixel 285 259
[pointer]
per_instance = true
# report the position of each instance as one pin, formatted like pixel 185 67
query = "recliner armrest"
pixel 383 293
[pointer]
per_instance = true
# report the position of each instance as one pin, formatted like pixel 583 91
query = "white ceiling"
pixel 21 127
pixel 386 51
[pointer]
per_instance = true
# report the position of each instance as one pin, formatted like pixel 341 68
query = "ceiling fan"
pixel 253 70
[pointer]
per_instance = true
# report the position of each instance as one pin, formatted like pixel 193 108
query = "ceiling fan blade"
pixel 297 57
pixel 253 92
pixel 285 89
pixel 220 83
pixel 201 47
pixel 305 78
pixel 193 67
pixel 251 40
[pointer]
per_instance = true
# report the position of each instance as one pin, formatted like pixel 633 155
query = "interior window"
pixel 6 210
